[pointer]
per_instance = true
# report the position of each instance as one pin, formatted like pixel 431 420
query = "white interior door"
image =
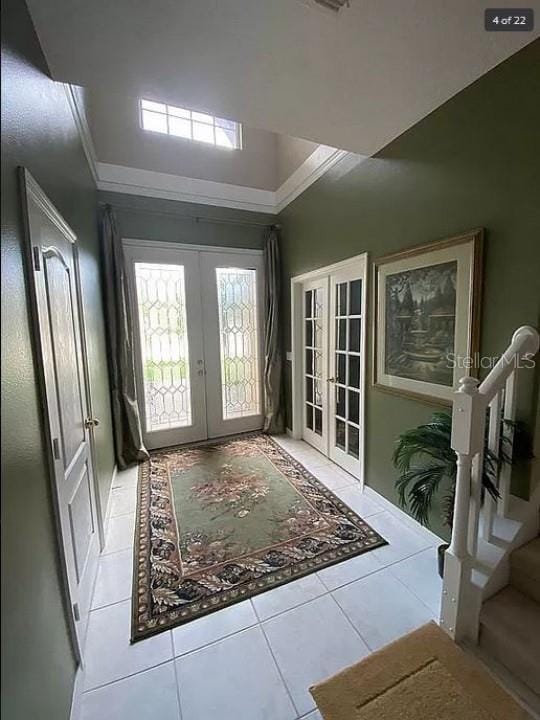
pixel 199 335
pixel 68 425
pixel 315 362
pixel 347 368
pixel 330 305
pixel 166 299
pixel 232 286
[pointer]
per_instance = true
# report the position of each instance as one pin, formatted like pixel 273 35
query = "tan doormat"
pixel 422 676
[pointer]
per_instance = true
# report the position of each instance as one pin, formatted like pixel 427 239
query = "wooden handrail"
pixel 525 344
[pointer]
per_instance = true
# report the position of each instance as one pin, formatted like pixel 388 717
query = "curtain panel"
pixel 125 409
pixel 274 421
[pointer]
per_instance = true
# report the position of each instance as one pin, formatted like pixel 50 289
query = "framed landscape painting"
pixel 426 319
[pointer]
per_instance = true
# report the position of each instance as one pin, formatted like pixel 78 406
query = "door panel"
pixel 315 333
pixel 238 339
pixel 232 286
pixel 55 301
pixel 346 360
pixel 333 357
pixel 81 521
pixel 199 342
pixel 169 347
pixel 61 300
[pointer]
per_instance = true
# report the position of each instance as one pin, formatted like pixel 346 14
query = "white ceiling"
pixel 354 80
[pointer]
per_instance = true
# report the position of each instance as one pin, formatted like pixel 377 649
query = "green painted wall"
pixel 38 132
pixel 473 162
pixel 144 218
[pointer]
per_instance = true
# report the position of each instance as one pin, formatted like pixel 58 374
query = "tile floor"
pixel 256 660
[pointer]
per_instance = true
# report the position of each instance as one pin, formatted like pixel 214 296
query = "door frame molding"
pixel 164 245
pixel 30 189
pixel 297 385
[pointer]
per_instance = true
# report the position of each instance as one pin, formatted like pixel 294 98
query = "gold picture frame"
pixel 426 319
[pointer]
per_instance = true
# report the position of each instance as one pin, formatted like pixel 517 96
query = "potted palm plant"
pixel 426 463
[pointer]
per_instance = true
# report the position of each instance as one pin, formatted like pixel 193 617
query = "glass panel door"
pixel 315 363
pixel 168 345
pixel 232 286
pixel 239 342
pixel 346 400
pixel 161 301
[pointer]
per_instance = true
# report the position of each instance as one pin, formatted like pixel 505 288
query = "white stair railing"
pixel 494 399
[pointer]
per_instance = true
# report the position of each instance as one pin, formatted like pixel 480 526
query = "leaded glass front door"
pixel 198 342
pixel 232 285
pixel 169 346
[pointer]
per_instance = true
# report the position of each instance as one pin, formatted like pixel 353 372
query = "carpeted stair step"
pixel 510 632
pixel 525 569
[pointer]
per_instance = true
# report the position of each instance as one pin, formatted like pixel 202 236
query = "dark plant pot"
pixel 440 558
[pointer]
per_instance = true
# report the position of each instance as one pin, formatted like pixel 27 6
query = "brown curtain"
pixel 273 361
pixel 125 410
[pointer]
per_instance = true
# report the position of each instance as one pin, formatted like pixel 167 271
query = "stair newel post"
pixel 467 442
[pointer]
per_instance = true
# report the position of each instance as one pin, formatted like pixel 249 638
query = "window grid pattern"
pixel 239 346
pixel 348 329
pixel 161 303
pixel 313 351
pixel 190 125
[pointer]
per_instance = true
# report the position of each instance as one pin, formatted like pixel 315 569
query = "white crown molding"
pixel 148 183
pixel 315 166
pixel 79 115
pixel 133 181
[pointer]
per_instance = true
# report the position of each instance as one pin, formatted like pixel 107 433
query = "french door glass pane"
pixel 313 348
pixel 348 324
pixel 161 301
pixel 238 335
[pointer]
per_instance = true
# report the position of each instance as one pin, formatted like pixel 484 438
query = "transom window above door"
pixel 190 125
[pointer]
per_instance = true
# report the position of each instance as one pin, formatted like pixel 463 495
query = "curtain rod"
pixel 194 218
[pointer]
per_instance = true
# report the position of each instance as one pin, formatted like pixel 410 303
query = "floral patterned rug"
pixel 220 522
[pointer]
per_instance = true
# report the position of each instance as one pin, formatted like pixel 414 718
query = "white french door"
pixel 330 304
pixel 346 353
pixel 315 340
pixel 198 334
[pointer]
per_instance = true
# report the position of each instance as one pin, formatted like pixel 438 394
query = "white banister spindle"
pixel 510 399
pixel 475 502
pixel 494 434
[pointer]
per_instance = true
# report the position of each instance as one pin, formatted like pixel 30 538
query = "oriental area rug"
pixel 220 522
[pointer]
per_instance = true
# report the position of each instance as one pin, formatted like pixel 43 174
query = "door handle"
pixel 91 423
pixel 331 380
